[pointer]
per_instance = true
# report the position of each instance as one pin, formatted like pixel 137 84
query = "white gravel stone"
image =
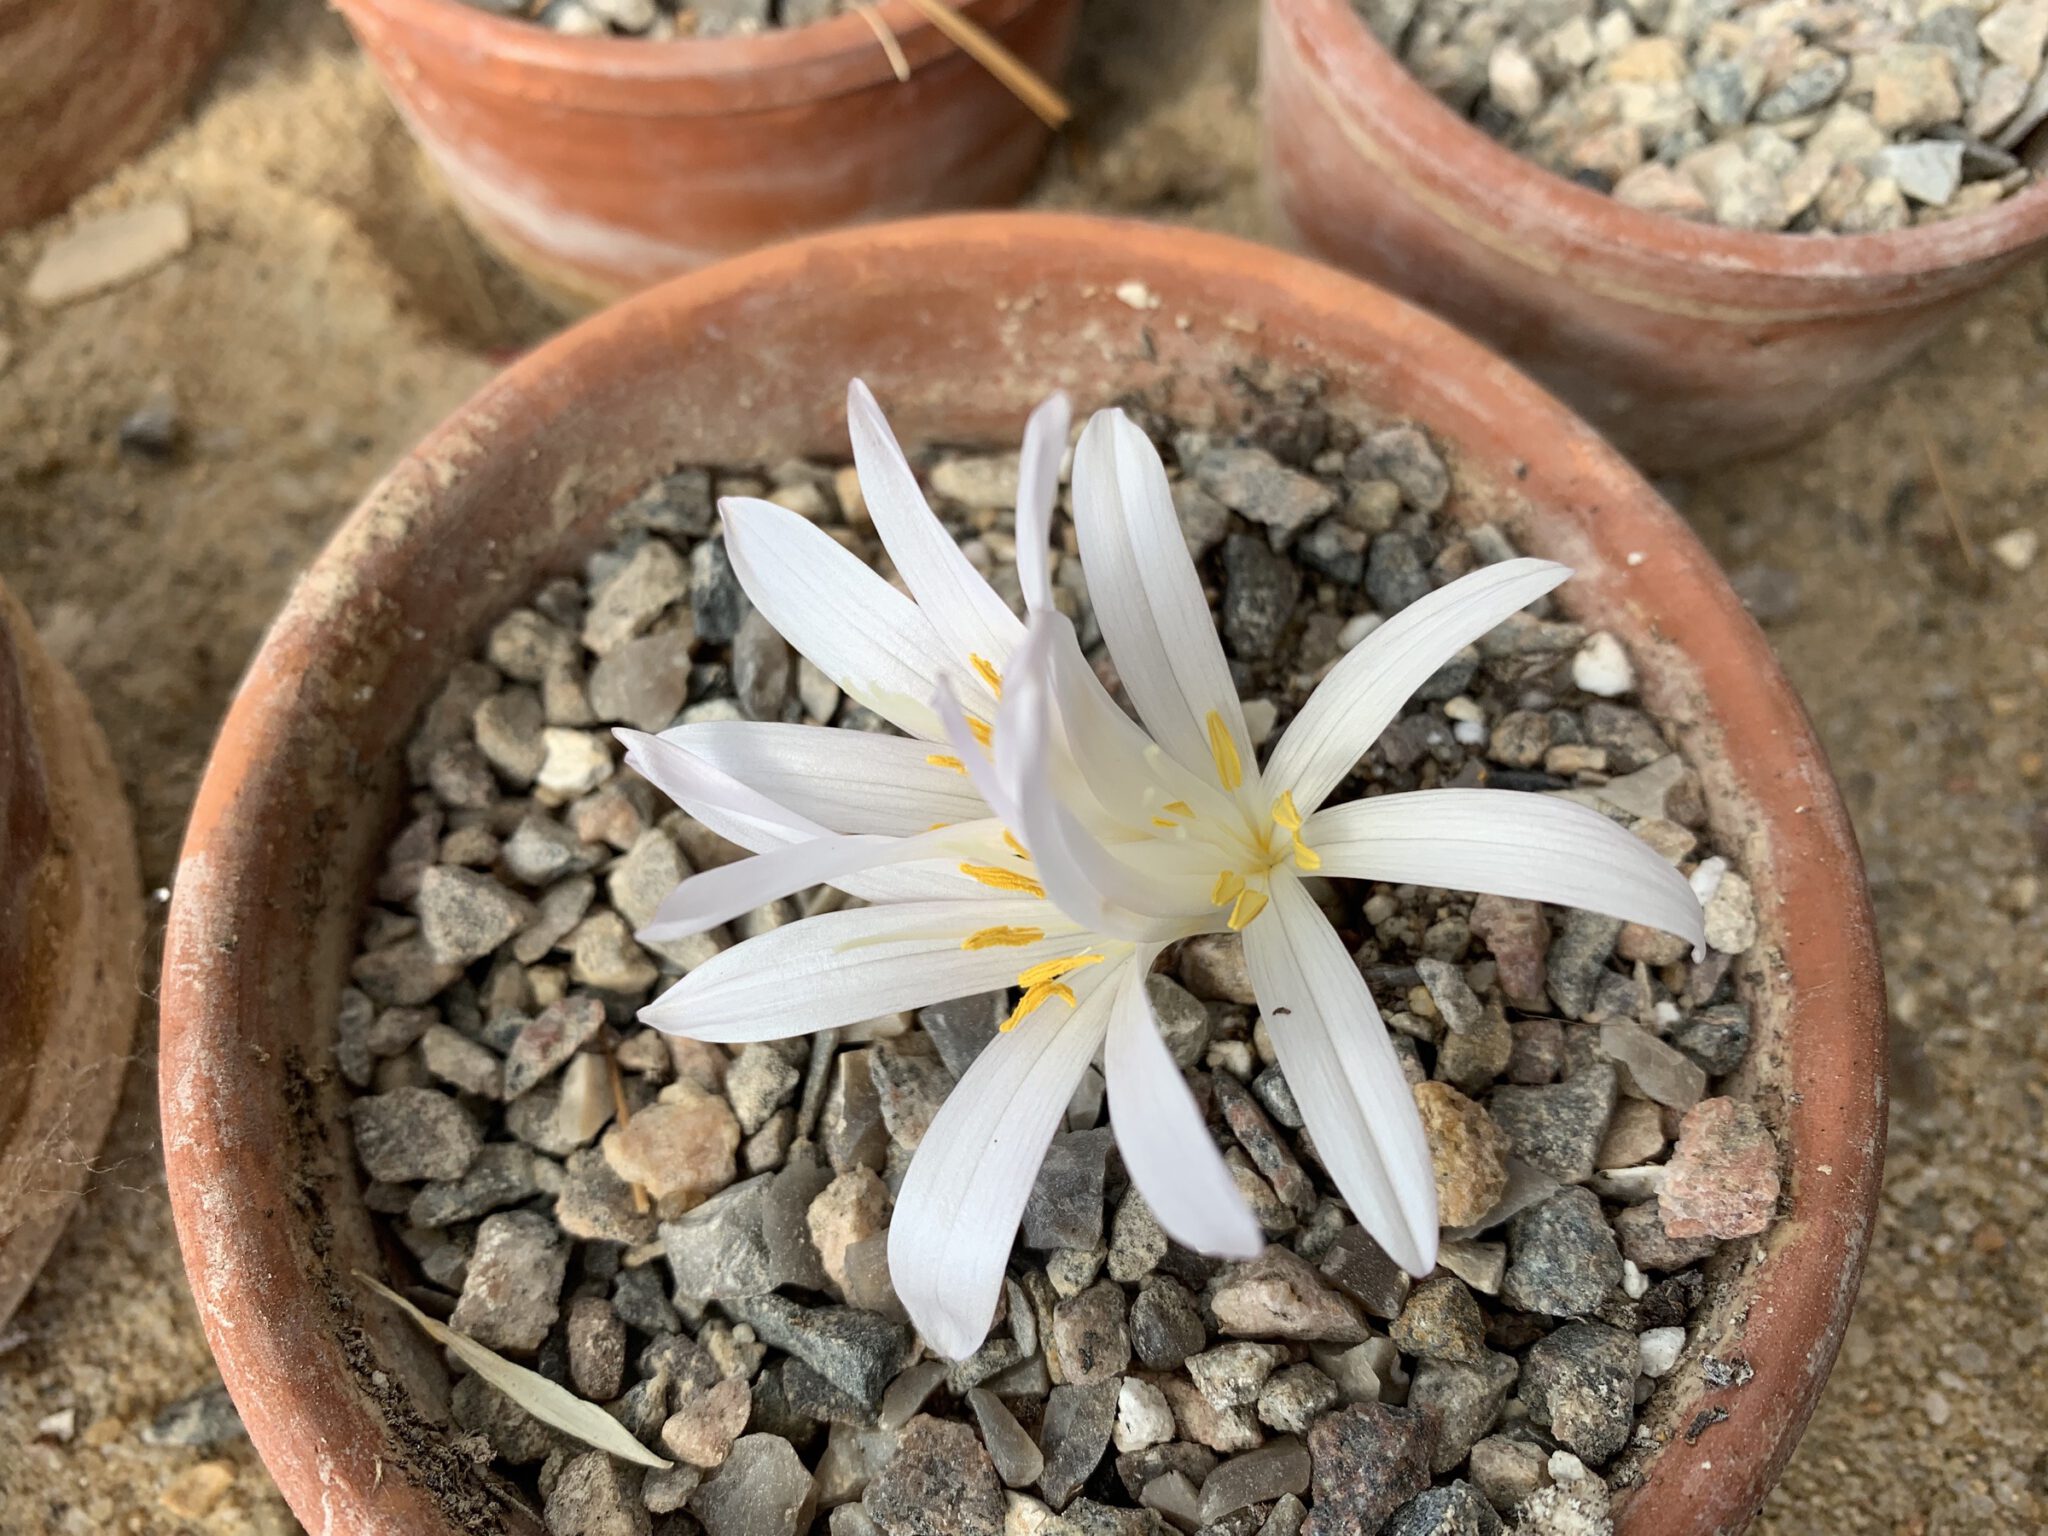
pixel 1143 1416
pixel 1602 667
pixel 1660 1349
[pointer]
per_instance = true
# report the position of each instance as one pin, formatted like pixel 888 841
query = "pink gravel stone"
pixel 1722 1180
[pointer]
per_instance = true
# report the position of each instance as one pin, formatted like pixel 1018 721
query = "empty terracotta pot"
pixel 1686 343
pixel 960 325
pixel 70 944
pixel 601 165
pixel 84 84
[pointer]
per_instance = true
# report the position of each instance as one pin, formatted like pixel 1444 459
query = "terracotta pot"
pixel 601 165
pixel 84 84
pixel 70 943
pixel 1686 343
pixel 960 324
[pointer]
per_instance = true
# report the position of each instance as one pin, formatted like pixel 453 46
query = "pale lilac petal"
pixel 1503 843
pixel 951 593
pixel 842 967
pixel 842 780
pixel 1038 490
pixel 956 1216
pixel 823 599
pixel 1160 1133
pixel 1366 689
pixel 1148 598
pixel 1344 1074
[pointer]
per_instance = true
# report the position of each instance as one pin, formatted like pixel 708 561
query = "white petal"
pixel 951 593
pixel 1160 1133
pixel 1366 689
pixel 1038 489
pixel 956 1217
pixel 842 967
pixel 823 599
pixel 1344 1073
pixel 847 781
pixel 1148 598
pixel 1503 843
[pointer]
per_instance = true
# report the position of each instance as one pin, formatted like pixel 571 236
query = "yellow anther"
pixel 1305 857
pixel 1036 998
pixel 1285 814
pixel 1229 769
pixel 938 826
pixel 986 671
pixel 1249 905
pixel 941 760
pixel 981 730
pixel 1016 847
pixel 996 878
pixel 1161 821
pixel 1047 971
pixel 1227 885
pixel 1002 938
pixel 1181 808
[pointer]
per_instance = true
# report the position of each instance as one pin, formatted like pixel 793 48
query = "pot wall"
pixel 70 942
pixel 1686 343
pixel 84 84
pixel 961 325
pixel 602 165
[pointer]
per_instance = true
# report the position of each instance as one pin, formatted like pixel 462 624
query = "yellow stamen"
pixel 1181 808
pixel 1035 999
pixel 986 671
pixel 1047 971
pixel 1305 857
pixel 1229 769
pixel 1015 847
pixel 995 877
pixel 1002 938
pixel 983 732
pixel 1161 821
pixel 1227 885
pixel 941 760
pixel 938 826
pixel 1285 814
pixel 1249 905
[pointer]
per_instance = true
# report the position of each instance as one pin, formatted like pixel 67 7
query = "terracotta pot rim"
pixel 1424 128
pixel 821 59
pixel 235 898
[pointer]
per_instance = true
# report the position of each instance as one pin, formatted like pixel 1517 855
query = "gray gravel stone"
pixel 465 915
pixel 1457 1509
pixel 1165 1325
pixel 1091 1336
pixel 412 1134
pixel 761 1489
pixel 962 1027
pixel 1368 1460
pixel 1579 1383
pixel 1260 590
pixel 940 1482
pixel 1065 1207
pixel 1562 1257
pixel 1463 1402
pixel 856 1351
pixel 1078 1422
pixel 511 1298
pixel 1558 1127
pixel 594 1495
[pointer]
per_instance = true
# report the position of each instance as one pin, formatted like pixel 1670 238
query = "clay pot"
pixel 84 84
pixel 601 165
pixel 70 942
pixel 1686 343
pixel 960 325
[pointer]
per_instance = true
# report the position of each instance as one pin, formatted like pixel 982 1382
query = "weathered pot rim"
pixel 776 67
pixel 1371 81
pixel 1788 1293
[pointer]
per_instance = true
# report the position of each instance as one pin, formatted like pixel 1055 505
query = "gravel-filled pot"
pixel 960 325
pixel 1686 343
pixel 601 165
pixel 86 83
pixel 70 947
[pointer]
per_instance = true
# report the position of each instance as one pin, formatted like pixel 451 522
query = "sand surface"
pixel 331 309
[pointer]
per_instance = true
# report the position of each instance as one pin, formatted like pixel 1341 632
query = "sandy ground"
pixel 331 309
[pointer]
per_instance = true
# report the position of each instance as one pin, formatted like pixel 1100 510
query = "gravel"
pixel 697 1235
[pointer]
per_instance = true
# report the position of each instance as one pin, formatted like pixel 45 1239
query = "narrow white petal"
pixel 1160 1133
pixel 1344 1073
pixel 956 1217
pixel 823 599
pixel 1503 843
pixel 1148 597
pixel 842 967
pixel 950 592
pixel 1366 689
pixel 1038 489
pixel 847 781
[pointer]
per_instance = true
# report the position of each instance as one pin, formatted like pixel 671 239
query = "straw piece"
pixel 880 27
pixel 976 42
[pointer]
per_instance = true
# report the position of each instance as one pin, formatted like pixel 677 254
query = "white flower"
pixel 1025 832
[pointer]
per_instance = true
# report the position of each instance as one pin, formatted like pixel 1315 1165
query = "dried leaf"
pixel 553 1405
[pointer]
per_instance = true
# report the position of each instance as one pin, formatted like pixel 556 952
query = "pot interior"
pixel 960 327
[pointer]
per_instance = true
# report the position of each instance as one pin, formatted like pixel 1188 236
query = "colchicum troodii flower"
pixel 1025 832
